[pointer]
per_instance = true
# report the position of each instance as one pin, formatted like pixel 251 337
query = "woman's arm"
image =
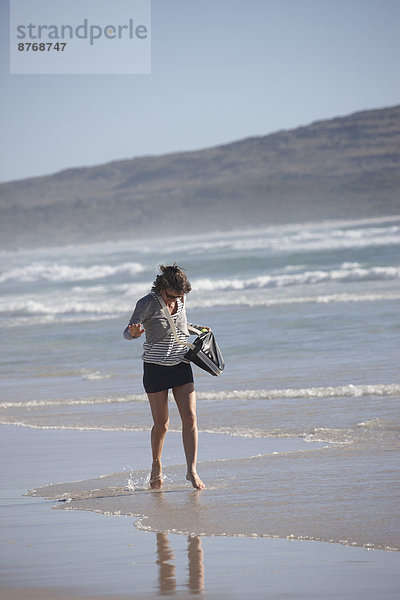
pixel 134 328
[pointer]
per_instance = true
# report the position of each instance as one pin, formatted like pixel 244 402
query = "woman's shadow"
pixel 167 569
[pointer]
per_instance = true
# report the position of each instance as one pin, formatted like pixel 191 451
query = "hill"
pixel 339 168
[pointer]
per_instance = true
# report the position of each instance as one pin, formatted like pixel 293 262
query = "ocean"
pixel 298 438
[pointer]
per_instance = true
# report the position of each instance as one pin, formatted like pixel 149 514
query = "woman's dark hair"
pixel 172 277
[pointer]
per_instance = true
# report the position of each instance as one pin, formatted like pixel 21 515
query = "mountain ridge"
pixel 344 167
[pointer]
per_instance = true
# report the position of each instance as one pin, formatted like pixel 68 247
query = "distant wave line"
pixel 199 242
pixel 309 241
pixel 350 390
pixel 95 301
pixel 347 273
pixel 276 241
pixel 86 312
pixel 60 273
pixel 74 402
pixel 329 235
pixel 320 299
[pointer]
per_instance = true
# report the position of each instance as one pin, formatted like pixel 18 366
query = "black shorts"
pixel 157 378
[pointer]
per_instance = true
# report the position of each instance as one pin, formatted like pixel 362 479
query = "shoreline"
pixel 28 593
pixel 60 554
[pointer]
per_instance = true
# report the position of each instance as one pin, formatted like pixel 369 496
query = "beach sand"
pixel 47 594
pixel 66 553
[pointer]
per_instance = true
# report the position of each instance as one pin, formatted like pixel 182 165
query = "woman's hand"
pixel 136 330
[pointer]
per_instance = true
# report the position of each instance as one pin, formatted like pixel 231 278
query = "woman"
pixel 164 366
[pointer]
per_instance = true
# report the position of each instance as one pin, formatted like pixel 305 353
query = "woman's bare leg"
pixel 185 398
pixel 159 411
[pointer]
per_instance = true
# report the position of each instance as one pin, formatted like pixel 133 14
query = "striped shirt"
pixel 167 352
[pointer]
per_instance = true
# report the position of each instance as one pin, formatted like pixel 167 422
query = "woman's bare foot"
pixel 156 475
pixel 195 481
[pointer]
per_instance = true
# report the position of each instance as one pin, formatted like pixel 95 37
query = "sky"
pixel 222 70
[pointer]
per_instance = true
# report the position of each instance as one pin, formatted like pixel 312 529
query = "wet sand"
pixel 65 553
pixel 48 594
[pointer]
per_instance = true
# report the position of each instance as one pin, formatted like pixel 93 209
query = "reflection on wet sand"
pixel 196 564
pixel 167 570
pixel 165 556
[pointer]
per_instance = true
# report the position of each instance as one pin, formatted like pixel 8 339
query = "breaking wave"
pixel 114 300
pixel 39 271
pixel 345 273
pixel 343 391
pixel 284 239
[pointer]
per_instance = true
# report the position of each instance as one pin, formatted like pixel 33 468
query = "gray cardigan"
pixel 149 313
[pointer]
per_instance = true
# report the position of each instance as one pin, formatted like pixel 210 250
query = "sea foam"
pixel 341 391
pixel 39 271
